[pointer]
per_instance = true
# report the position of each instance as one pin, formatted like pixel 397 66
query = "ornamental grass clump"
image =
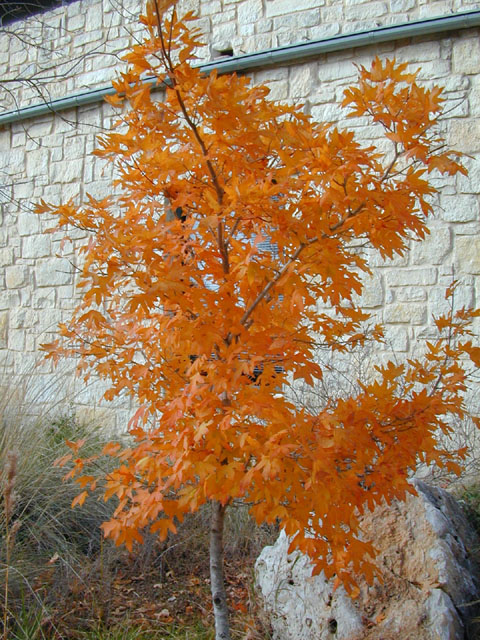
pixel 43 542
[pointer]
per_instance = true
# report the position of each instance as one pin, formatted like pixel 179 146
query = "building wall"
pixel 77 48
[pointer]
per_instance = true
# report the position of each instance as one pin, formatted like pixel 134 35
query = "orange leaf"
pixel 80 499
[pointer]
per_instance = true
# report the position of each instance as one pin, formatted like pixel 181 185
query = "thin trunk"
pixel 217 580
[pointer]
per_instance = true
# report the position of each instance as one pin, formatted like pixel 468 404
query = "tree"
pixel 184 308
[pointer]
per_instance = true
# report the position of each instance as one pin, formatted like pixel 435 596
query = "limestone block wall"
pixel 77 48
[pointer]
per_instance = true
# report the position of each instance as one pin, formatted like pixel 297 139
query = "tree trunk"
pixel 217 580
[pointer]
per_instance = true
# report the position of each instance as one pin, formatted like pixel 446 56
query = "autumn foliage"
pixel 232 217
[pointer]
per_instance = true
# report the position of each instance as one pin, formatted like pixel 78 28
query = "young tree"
pixel 233 216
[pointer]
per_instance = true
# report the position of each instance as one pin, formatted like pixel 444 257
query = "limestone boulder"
pixel 427 555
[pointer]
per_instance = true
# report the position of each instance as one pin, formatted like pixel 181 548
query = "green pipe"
pixel 281 55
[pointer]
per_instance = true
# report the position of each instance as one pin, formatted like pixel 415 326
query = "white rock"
pixel 424 552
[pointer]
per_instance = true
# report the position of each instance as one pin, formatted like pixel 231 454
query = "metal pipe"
pixel 303 50
pixel 281 55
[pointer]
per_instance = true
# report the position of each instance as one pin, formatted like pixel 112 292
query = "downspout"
pixel 281 55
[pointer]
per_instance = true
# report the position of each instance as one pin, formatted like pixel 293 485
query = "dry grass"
pixel 60 579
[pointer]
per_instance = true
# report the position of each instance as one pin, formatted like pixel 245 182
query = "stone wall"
pixel 77 48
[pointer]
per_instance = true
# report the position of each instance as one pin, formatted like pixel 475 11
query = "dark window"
pixel 12 10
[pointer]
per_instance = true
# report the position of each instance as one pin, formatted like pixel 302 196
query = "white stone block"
pixel 39 128
pixel 460 208
pixel 322 94
pixel 393 18
pixel 368 10
pixel 222 36
pixel 326 112
pixel 336 70
pixel 285 38
pixel 23 190
pixel 30 359
pixel 403 313
pixel 410 294
pixel 466 55
pixel 247 29
pixel 95 78
pixel 434 248
pixel 6 256
pixel 464 297
pixel 7 360
pixel 16 276
pixel 398 6
pixel 278 90
pixel 37 162
pixel 263 26
pixel 26 293
pixel 474 96
pixel 21 318
pixel 227 15
pixel 36 246
pixel 396 339
pixel 353 26
pixel 9 298
pixel 373 292
pixel 19 139
pixel 418 51
pixel 74 146
pixel 250 11
pixel 405 277
pixel 65 295
pixel 432 70
pixel 51 318
pixel 289 21
pixel 271 75
pixel 43 299
pixel 53 271
pixel 434 8
pixel 70 191
pixel 16 340
pixel 66 171
pixel 309 18
pixel 465 136
pixel 467 253
pixel 281 7
pixel 470 183
pixel 3 329
pixel 50 193
pixel 456 86
pixel 332 13
pixel 255 43
pixel 301 81
pixel 207 8
pixel 457 108
pixel 76 23
pixel 322 31
pixel 56 154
